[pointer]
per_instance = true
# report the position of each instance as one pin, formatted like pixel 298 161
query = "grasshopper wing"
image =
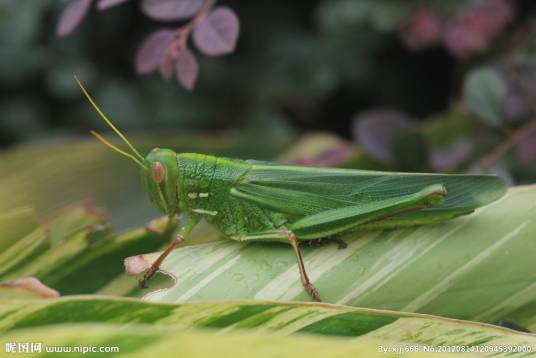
pixel 303 191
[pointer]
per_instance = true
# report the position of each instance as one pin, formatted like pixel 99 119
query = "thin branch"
pixel 514 139
pixel 184 32
pixel 520 134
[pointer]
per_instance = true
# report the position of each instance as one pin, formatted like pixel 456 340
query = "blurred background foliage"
pixel 419 86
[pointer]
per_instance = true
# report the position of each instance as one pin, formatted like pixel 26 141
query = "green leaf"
pixel 16 224
pixel 94 320
pixel 76 252
pixel 484 93
pixel 477 267
pixel 145 341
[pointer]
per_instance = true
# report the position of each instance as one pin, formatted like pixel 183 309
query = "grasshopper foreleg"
pixel 156 264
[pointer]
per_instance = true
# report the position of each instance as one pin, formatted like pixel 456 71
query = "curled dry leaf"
pixel 71 16
pixel 33 285
pixel 135 265
pixel 106 4
pixel 187 69
pixel 153 49
pixel 217 34
pixel 171 9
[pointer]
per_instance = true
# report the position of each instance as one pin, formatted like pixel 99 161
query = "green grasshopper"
pixel 249 201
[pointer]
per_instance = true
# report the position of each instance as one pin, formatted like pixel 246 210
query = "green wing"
pixel 302 191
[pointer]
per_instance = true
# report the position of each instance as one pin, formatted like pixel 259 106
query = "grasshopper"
pixel 251 201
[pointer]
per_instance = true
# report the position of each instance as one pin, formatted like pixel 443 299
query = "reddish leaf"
pixel 71 16
pixel 166 67
pixel 106 4
pixel 187 69
pixel 217 34
pixel 152 50
pixel 423 30
pixel 171 9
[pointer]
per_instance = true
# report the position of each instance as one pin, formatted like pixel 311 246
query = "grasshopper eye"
pixel 158 172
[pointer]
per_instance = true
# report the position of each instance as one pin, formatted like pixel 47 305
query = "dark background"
pixel 298 66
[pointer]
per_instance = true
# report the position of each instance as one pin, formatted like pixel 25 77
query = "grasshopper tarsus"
pixel 313 292
pixel 142 283
pixel 341 243
pixel 326 241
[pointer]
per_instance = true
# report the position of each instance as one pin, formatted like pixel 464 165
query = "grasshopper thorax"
pixel 160 174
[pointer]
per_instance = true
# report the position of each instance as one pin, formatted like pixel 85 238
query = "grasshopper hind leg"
pixel 303 274
pixel 286 236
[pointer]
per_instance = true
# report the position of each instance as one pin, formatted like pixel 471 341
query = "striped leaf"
pixel 138 327
pixel 479 267
pixel 146 341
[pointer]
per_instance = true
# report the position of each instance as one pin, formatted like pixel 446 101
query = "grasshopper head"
pixel 160 173
pixel 159 168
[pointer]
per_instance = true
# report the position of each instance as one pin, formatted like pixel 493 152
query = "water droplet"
pixel 238 277
pixel 265 266
pixel 282 264
pixel 358 270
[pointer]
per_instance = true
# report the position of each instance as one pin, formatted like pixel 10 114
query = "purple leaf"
pixel 187 69
pixel 171 9
pixel 217 34
pixel 153 49
pixel 526 149
pixel 515 106
pixel 377 129
pixel 71 16
pixel 166 67
pixel 106 4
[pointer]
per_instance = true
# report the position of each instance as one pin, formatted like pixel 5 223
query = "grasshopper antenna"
pixel 110 124
pixel 114 148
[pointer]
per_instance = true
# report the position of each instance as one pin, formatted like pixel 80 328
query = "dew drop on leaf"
pixel 238 277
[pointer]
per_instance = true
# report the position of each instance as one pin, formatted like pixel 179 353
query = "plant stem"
pixel 184 32
pixel 514 139
pixel 519 135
